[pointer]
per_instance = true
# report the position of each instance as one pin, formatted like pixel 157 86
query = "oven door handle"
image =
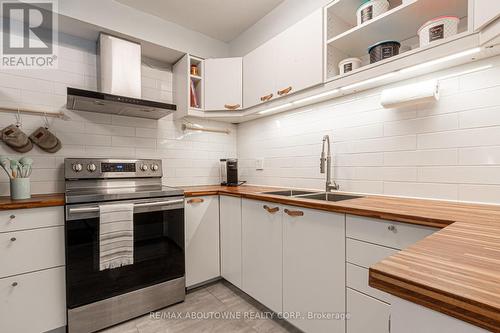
pixel 137 205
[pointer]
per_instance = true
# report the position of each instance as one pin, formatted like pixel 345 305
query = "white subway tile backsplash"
pixel 439 123
pixel 479 193
pixel 480 118
pixel 88 134
pixel 422 190
pixel 485 136
pixel 460 174
pixel 479 156
pixel 421 157
pixel 448 150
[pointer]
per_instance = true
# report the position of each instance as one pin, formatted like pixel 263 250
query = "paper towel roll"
pixel 422 92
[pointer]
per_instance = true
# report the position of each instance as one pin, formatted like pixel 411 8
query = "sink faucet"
pixel 328 160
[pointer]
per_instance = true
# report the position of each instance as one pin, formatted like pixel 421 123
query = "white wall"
pixel 275 22
pixel 448 150
pixel 118 17
pixel 188 158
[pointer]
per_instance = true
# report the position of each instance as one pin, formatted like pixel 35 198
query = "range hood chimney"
pixel 119 83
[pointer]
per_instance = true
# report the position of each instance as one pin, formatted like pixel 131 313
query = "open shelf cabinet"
pixel 189 88
pixel 345 39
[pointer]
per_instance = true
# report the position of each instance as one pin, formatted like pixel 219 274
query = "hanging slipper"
pixel 46 140
pixel 16 139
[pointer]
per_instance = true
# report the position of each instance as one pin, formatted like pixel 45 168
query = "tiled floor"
pixel 214 300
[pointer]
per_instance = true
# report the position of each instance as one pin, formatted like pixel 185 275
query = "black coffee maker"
pixel 229 172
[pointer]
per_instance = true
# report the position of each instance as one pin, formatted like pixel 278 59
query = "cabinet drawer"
pixel 366 254
pixel 23 219
pixel 367 314
pixel 392 234
pixel 357 278
pixel 31 250
pixel 34 302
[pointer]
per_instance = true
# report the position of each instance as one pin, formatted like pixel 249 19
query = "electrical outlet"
pixel 259 164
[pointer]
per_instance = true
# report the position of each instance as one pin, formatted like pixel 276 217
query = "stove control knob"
pixel 91 167
pixel 144 167
pixel 154 167
pixel 77 167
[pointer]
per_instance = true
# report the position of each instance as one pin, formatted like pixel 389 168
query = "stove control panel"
pixel 89 168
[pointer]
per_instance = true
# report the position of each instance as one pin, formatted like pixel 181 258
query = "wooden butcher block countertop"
pixel 455 271
pixel 36 201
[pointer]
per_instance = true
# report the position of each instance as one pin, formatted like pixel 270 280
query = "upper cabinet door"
pixel 223 84
pixel 259 74
pixel 299 55
pixel 485 11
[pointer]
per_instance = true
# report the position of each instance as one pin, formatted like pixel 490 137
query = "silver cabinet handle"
pixel 14 284
pixel 13 239
pixel 392 228
pixel 138 205
pixel 12 216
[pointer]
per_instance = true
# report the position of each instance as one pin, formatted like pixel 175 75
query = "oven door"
pixel 158 250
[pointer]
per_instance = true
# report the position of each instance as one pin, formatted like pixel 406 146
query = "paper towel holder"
pixel 411 94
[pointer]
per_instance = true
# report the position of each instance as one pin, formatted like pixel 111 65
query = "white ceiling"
pixel 221 19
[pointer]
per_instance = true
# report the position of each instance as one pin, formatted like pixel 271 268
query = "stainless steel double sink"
pixel 323 196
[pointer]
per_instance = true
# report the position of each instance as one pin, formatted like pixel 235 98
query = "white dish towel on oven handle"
pixel 116 235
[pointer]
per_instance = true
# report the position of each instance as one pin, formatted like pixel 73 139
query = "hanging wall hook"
pixel 46 120
pixel 18 118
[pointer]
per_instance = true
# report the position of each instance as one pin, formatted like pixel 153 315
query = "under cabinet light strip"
pixel 441 60
pixel 365 82
pixel 196 127
pixel 455 56
pixel 276 108
pixel 469 71
pixel 315 97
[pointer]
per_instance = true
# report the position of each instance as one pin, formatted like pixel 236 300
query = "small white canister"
pixel 371 9
pixel 438 28
pixel 348 65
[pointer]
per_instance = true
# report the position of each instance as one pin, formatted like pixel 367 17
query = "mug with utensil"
pixel 19 172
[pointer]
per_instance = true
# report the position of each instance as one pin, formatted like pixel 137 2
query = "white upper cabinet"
pixel 485 11
pixel 487 21
pixel 223 84
pixel 288 63
pixel 299 55
pixel 259 75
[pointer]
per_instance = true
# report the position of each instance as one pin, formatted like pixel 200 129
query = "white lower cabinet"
pixel 32 272
pixel 313 268
pixel 367 314
pixel 368 242
pixel 262 252
pixel 408 317
pixel 34 302
pixel 202 239
pixel 31 250
pixel 230 238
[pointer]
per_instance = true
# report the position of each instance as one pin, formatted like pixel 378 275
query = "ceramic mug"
pixel 20 188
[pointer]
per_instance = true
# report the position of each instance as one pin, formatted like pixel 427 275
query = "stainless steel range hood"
pixel 119 67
